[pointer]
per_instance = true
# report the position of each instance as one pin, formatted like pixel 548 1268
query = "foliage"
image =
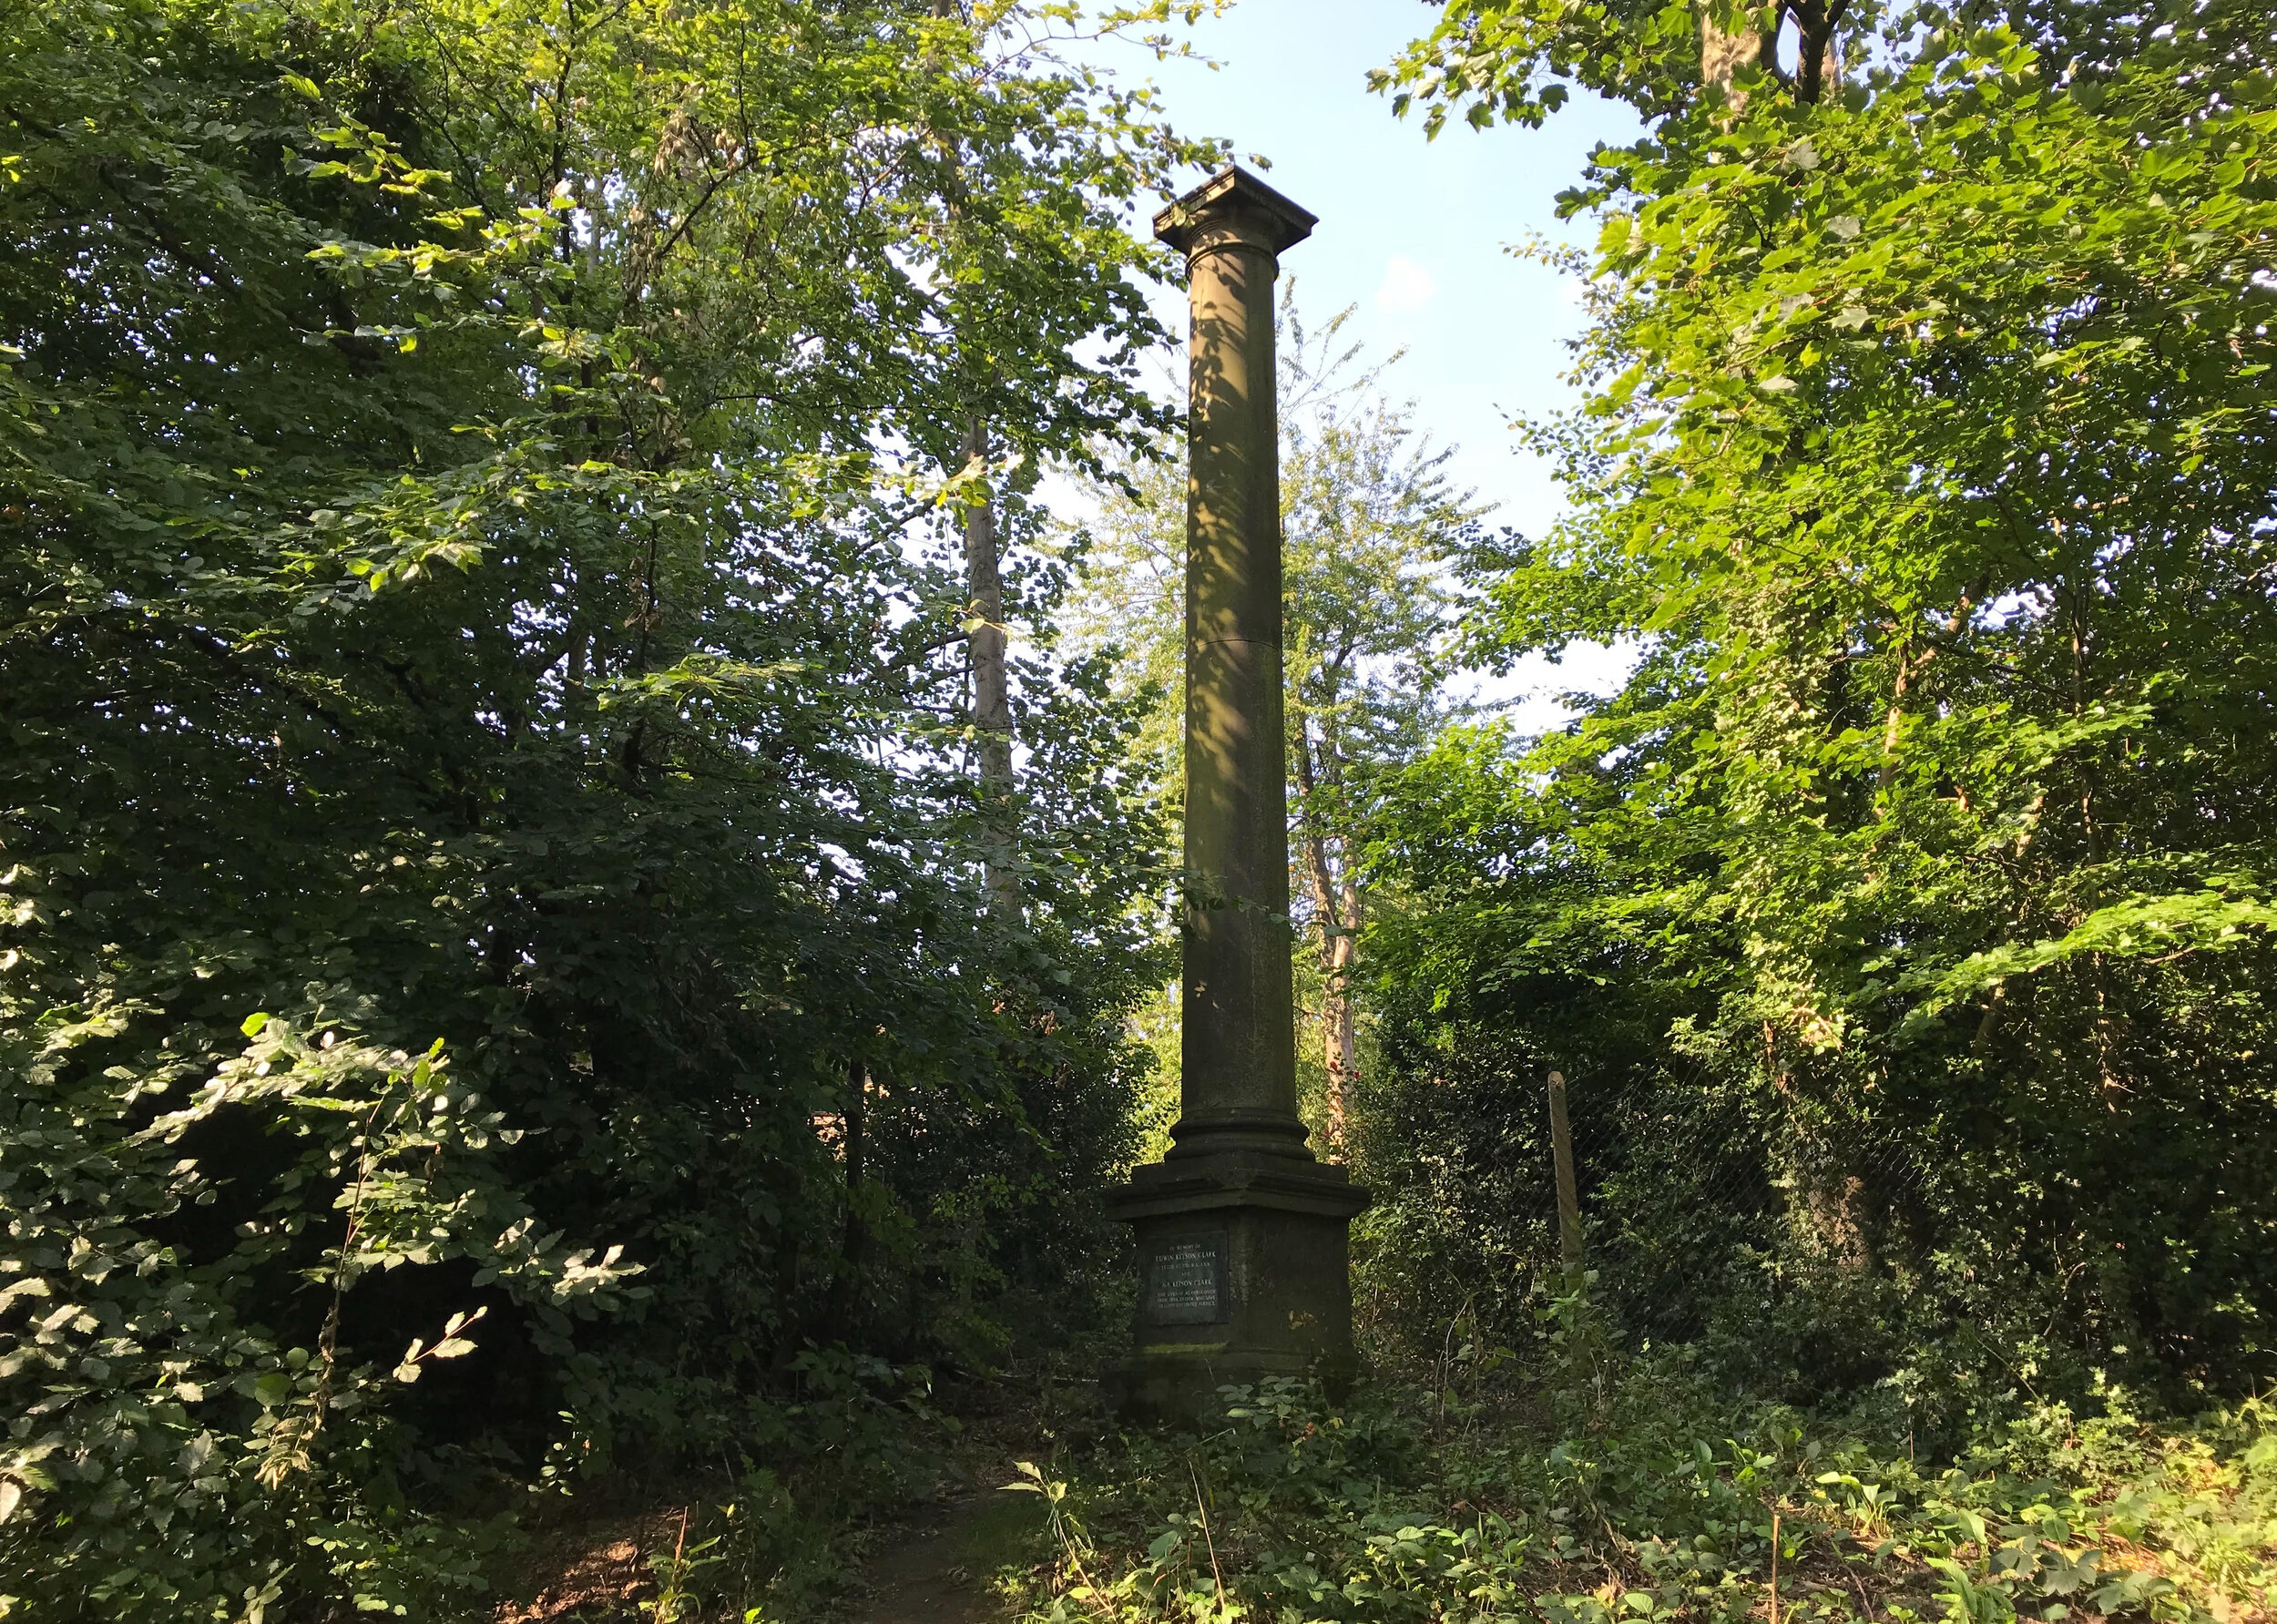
pixel 500 987
pixel 474 564
pixel 173 1434
pixel 1926 852
pixel 1446 1504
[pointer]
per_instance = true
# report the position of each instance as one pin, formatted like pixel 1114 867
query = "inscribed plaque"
pixel 1186 1281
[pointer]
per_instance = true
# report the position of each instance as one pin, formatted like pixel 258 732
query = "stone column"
pixel 1242 1234
pixel 1238 1053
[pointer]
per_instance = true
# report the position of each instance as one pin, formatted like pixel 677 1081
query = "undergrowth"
pixel 1605 1489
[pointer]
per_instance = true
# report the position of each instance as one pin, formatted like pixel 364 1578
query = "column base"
pixel 1244 1273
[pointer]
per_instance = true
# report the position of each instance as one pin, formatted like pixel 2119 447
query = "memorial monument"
pixel 1242 1234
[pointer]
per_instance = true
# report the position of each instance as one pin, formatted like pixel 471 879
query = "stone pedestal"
pixel 1243 1272
pixel 1242 1233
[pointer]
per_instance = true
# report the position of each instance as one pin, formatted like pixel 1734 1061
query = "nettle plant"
pixel 168 1454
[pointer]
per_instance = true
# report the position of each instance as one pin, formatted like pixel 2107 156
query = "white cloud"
pixel 1407 286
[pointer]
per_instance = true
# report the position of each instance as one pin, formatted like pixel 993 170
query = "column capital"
pixel 1233 206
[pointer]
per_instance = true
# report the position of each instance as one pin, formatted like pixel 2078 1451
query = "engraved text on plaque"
pixel 1186 1281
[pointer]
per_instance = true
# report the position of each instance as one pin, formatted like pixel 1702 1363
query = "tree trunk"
pixel 1341 1038
pixel 983 585
pixel 1818 64
pixel 845 1284
pixel 1723 53
pixel 992 702
pixel 1336 905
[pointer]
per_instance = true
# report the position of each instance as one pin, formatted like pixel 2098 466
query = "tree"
pixel 1927 445
pixel 456 581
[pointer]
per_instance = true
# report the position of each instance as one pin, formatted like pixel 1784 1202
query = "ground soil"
pixel 593 1569
pixel 935 1565
pixel 938 1573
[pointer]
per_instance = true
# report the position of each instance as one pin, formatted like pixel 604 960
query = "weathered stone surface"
pixel 1239 1186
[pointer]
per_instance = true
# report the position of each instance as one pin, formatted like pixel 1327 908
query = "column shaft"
pixel 1239 1046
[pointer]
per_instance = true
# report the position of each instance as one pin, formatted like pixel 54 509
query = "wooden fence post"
pixel 1569 1193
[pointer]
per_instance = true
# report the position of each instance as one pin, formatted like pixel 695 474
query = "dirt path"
pixel 938 1574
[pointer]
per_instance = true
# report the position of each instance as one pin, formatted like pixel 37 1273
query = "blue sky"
pixel 1415 233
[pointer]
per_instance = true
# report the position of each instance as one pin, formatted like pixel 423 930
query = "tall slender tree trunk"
pixel 984 586
pixel 853 1245
pixel 1336 907
pixel 1340 1034
pixel 992 699
pixel 1724 53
